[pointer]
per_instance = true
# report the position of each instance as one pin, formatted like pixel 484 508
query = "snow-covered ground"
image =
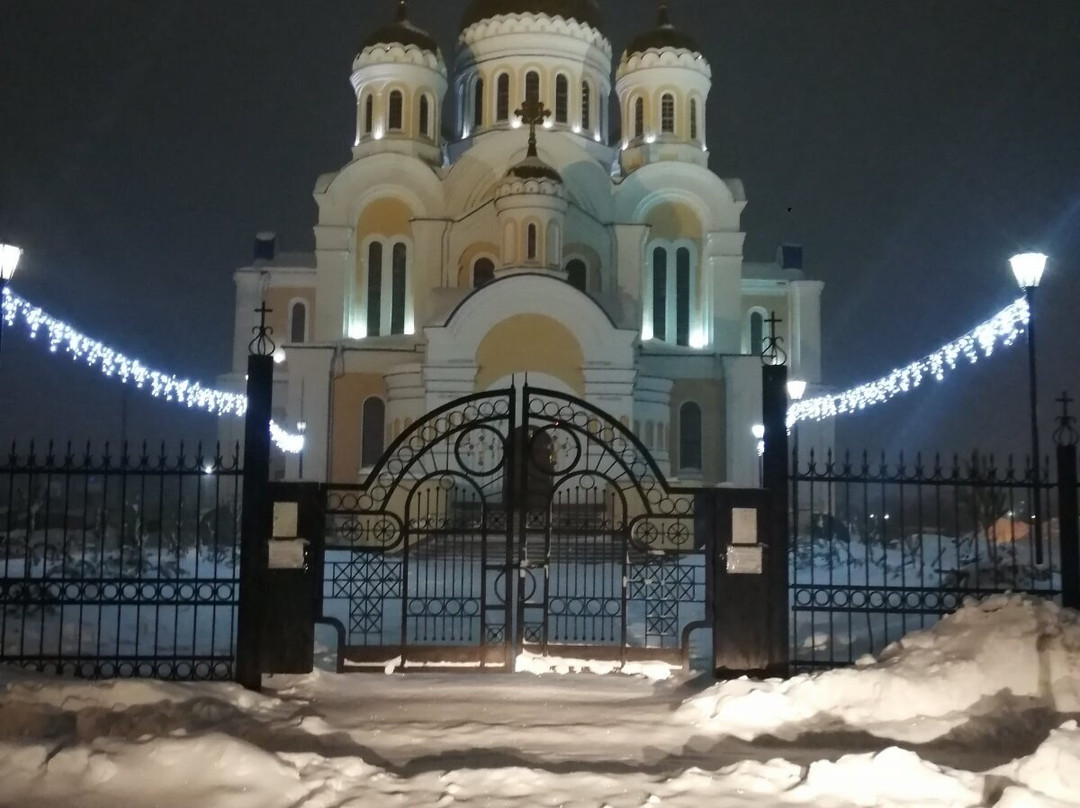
pixel 974 712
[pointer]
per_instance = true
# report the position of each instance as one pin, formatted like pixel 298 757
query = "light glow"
pixel 758 431
pixel 698 340
pixel 1028 269
pixel 796 389
pixel 9 260
pixel 1004 328
pixel 115 365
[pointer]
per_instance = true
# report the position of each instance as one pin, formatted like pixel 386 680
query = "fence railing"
pixel 120 564
pixel 882 548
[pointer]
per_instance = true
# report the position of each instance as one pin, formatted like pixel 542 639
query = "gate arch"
pixel 507 522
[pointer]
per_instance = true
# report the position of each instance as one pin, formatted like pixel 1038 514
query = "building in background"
pixel 606 265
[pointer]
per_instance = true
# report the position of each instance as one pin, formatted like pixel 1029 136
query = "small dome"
pixel 664 35
pixel 402 32
pixel 533 168
pixel 584 11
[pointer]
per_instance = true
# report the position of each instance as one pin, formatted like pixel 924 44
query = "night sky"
pixel 912 146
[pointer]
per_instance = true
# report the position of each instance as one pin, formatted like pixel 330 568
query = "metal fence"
pixel 120 565
pixel 883 548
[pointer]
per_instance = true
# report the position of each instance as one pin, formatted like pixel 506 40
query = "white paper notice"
pixel 744 526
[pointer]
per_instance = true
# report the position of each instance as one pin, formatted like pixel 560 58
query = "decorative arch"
pixel 754 333
pixel 690 438
pixel 372 432
pixel 299 321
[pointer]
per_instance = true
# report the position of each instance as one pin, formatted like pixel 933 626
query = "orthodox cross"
pixel 262 345
pixel 1066 434
pixel 532 112
pixel 773 353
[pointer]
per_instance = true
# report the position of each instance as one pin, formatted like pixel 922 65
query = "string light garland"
pixel 1004 328
pixel 116 365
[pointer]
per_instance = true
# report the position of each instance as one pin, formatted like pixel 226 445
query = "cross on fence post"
pixel 257 513
pixel 1066 438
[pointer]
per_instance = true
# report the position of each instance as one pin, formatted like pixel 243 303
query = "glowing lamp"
pixel 796 389
pixel 9 261
pixel 758 431
pixel 1028 269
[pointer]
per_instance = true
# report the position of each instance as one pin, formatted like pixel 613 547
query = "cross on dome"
pixel 532 112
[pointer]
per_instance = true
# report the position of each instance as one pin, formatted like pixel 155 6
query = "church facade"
pixel 597 257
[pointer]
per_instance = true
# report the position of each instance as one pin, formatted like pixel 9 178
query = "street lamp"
pixel 796 389
pixel 758 431
pixel 1028 269
pixel 9 262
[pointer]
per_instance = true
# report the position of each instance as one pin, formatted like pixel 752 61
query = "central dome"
pixel 584 11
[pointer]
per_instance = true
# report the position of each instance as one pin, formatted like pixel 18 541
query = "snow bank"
pixel 537 665
pixel 980 660
pixel 1050 777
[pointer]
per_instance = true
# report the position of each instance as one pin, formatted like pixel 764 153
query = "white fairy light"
pixel 1002 329
pixel 115 365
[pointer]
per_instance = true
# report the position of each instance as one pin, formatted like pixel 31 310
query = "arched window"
pixel 483 272
pixel 667 114
pixel 586 106
pixel 478 103
pixel 502 98
pixel 682 296
pixel 577 274
pixel 693 119
pixel 374 289
pixel 530 242
pixel 399 287
pixel 639 118
pixel 298 322
pixel 757 333
pixel 659 293
pixel 562 99
pixel 395 112
pixel 425 116
pixel 650 435
pixel 373 432
pixel 369 114
pixel 532 86
pixel 690 437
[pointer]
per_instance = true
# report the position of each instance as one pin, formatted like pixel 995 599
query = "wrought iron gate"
pixel 511 522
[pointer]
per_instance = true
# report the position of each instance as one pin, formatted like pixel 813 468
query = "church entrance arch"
pixel 515 521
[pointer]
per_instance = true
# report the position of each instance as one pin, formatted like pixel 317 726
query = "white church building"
pixel 609 264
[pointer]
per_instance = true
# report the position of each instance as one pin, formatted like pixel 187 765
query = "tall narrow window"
pixel 530 242
pixel 577 274
pixel 757 333
pixel 374 289
pixel 298 322
pixel 690 437
pixel 693 119
pixel 532 86
pixel 659 303
pixel 586 106
pixel 483 272
pixel 682 296
pixel 562 100
pixel 395 112
pixel 478 104
pixel 369 114
pixel 399 290
pixel 425 116
pixel 639 118
pixel 502 98
pixel 667 114
pixel 373 432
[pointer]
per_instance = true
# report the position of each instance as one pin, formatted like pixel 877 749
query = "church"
pixel 563 227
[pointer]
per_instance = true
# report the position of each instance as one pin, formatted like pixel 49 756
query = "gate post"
pixel 257 507
pixel 775 482
pixel 1066 438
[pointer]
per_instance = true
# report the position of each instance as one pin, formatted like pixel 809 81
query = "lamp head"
pixel 758 431
pixel 9 260
pixel 1028 269
pixel 796 389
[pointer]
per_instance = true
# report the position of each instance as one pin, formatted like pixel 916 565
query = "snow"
pixel 577 740
pixel 528 662
pixel 1005 652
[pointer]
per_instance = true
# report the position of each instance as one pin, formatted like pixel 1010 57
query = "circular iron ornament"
pixel 821 598
pixel 877 600
pixel 840 599
pixel 613 608
pixel 678 534
pixel 858 599
pixel 489 447
pixel 646 533
pixel 499 587
pixel 563 447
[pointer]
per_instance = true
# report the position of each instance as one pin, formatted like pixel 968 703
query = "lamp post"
pixel 9 262
pixel 1028 269
pixel 301 427
pixel 758 431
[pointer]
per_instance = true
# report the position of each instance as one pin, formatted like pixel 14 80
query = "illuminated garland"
pixel 1004 328
pixel 114 364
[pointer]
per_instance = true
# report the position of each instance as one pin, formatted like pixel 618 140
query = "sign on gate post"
pixel 292 579
pixel 739 561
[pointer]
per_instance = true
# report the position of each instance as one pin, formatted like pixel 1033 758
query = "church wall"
pixel 530 343
pixel 280 298
pixel 350 393
pixel 709 395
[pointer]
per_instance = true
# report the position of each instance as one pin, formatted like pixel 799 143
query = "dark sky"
pixel 918 144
